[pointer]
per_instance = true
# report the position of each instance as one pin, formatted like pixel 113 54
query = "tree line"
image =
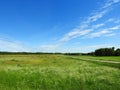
pixel 98 52
pixel 107 52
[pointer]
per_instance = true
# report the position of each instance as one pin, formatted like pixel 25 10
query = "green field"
pixel 58 72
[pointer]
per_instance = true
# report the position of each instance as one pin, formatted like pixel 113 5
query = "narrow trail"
pixel 113 62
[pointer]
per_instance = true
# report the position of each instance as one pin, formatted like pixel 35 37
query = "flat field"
pixel 58 72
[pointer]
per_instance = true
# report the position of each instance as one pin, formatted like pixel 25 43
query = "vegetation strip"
pixel 96 60
pixel 110 64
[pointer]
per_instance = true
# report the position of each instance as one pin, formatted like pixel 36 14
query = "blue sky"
pixel 59 25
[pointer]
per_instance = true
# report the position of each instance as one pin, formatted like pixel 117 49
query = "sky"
pixel 59 25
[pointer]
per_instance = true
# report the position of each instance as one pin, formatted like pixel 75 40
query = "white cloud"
pixel 111 20
pixel 110 3
pixel 74 34
pixel 98 34
pixel 98 25
pixel 104 32
pixel 11 46
pixel 86 28
pixel 83 28
pixel 97 15
pixel 115 27
pixel 111 34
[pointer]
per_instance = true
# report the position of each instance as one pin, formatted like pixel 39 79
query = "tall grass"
pixel 55 72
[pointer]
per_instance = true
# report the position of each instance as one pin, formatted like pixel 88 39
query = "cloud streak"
pixel 74 34
pixel 86 28
pixel 13 46
pixel 104 32
pixel 86 25
pixel 110 3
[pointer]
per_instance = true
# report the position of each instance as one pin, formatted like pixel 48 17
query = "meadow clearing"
pixel 58 72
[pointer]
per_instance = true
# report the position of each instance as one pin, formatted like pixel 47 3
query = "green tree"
pixel 117 52
pixel 104 52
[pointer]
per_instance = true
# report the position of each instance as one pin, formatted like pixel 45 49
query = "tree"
pixel 117 52
pixel 104 52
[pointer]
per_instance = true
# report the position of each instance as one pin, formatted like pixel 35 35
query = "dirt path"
pixel 97 60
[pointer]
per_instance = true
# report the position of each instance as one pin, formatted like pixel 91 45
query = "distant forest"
pixel 98 52
pixel 107 52
pixel 101 52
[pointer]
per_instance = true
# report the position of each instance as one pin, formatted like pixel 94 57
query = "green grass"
pixel 57 72
pixel 105 58
pixel 112 61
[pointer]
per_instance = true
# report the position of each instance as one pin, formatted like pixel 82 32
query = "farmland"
pixel 59 72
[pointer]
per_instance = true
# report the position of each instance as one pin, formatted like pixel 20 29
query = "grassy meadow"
pixel 58 72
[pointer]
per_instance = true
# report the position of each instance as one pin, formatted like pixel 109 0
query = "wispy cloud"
pixel 87 28
pixel 111 34
pixel 98 34
pixel 97 15
pixel 74 34
pixel 110 3
pixel 104 32
pixel 115 27
pixel 13 46
pixel 98 26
